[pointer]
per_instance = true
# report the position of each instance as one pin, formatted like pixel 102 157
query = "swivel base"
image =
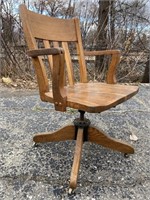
pixel 82 131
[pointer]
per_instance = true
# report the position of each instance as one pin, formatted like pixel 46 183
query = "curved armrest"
pixel 110 78
pixel 59 93
pixel 45 51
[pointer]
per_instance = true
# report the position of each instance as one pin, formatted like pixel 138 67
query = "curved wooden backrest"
pixel 49 28
pixel 53 32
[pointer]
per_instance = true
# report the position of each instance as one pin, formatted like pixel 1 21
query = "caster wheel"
pixel 126 155
pixel 35 144
pixel 70 191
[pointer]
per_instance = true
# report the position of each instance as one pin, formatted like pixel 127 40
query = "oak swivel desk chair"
pixel 54 35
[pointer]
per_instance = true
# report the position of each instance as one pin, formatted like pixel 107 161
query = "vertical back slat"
pixel 50 59
pixel 55 44
pixel 68 63
pixel 82 65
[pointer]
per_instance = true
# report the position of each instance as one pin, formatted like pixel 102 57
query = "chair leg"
pixel 65 133
pixel 97 136
pixel 77 159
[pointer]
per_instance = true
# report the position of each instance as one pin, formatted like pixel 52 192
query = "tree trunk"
pixel 112 22
pixel 0 35
pixel 101 37
pixel 146 76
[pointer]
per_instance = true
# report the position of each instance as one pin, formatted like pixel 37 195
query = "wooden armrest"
pixel 45 51
pixel 103 52
pixel 115 59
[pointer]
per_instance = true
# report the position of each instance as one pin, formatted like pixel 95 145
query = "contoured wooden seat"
pixel 50 37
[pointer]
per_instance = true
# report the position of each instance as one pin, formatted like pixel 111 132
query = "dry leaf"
pixel 7 80
pixel 133 130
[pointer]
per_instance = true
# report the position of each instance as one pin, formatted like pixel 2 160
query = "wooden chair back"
pixel 53 32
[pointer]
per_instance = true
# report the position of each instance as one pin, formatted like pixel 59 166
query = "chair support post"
pixel 82 123
pixel 82 114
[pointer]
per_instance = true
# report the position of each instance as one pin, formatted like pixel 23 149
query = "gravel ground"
pixel 42 173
